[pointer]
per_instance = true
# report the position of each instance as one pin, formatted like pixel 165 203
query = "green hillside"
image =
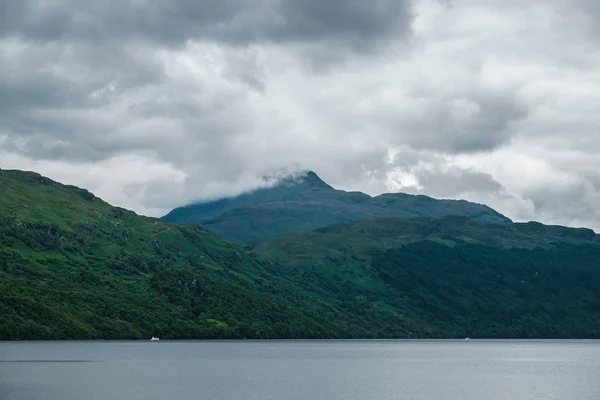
pixel 72 266
pixel 304 203
pixel 454 277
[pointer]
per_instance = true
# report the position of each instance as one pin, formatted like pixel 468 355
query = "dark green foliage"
pixel 73 267
pixel 478 290
pixel 453 277
pixel 303 204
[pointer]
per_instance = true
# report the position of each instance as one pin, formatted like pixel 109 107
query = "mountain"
pixel 453 277
pixel 303 203
pixel 74 267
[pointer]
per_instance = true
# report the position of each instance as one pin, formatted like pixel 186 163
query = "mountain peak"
pixel 300 201
pixel 313 179
pixel 306 178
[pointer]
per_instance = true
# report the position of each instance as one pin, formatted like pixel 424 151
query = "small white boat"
pixel 154 339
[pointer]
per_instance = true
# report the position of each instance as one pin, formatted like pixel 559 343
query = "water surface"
pixel 301 370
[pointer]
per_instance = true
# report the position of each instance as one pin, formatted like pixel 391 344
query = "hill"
pixel 73 267
pixel 304 203
pixel 454 277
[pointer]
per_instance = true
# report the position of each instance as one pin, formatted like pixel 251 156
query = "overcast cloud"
pixel 152 104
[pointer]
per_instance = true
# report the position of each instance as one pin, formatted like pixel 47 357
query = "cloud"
pixel 464 120
pixel 237 22
pixel 153 104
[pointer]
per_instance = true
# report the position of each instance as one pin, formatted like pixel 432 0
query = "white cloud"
pixel 492 101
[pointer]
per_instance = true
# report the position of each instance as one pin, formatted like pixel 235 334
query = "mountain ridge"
pixel 306 202
pixel 74 267
pixel 466 278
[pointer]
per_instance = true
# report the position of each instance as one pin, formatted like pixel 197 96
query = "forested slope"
pixel 304 203
pixel 74 267
pixel 454 277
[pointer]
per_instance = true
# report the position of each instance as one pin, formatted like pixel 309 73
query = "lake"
pixel 300 370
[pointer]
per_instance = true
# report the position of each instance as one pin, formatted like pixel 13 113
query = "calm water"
pixel 304 370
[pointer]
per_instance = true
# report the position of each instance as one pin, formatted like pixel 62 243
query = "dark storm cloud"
pixel 51 94
pixel 56 55
pixel 456 181
pixel 19 96
pixel 40 148
pixel 465 121
pixel 360 21
pixel 484 124
pixel 39 74
pixel 172 22
pixel 576 200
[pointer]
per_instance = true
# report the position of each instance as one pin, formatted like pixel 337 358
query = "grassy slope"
pixel 72 266
pixel 454 277
pixel 309 203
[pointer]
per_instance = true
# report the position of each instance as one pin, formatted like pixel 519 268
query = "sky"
pixel 153 104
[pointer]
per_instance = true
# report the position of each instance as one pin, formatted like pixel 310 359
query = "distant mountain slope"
pixel 302 204
pixel 73 267
pixel 454 277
